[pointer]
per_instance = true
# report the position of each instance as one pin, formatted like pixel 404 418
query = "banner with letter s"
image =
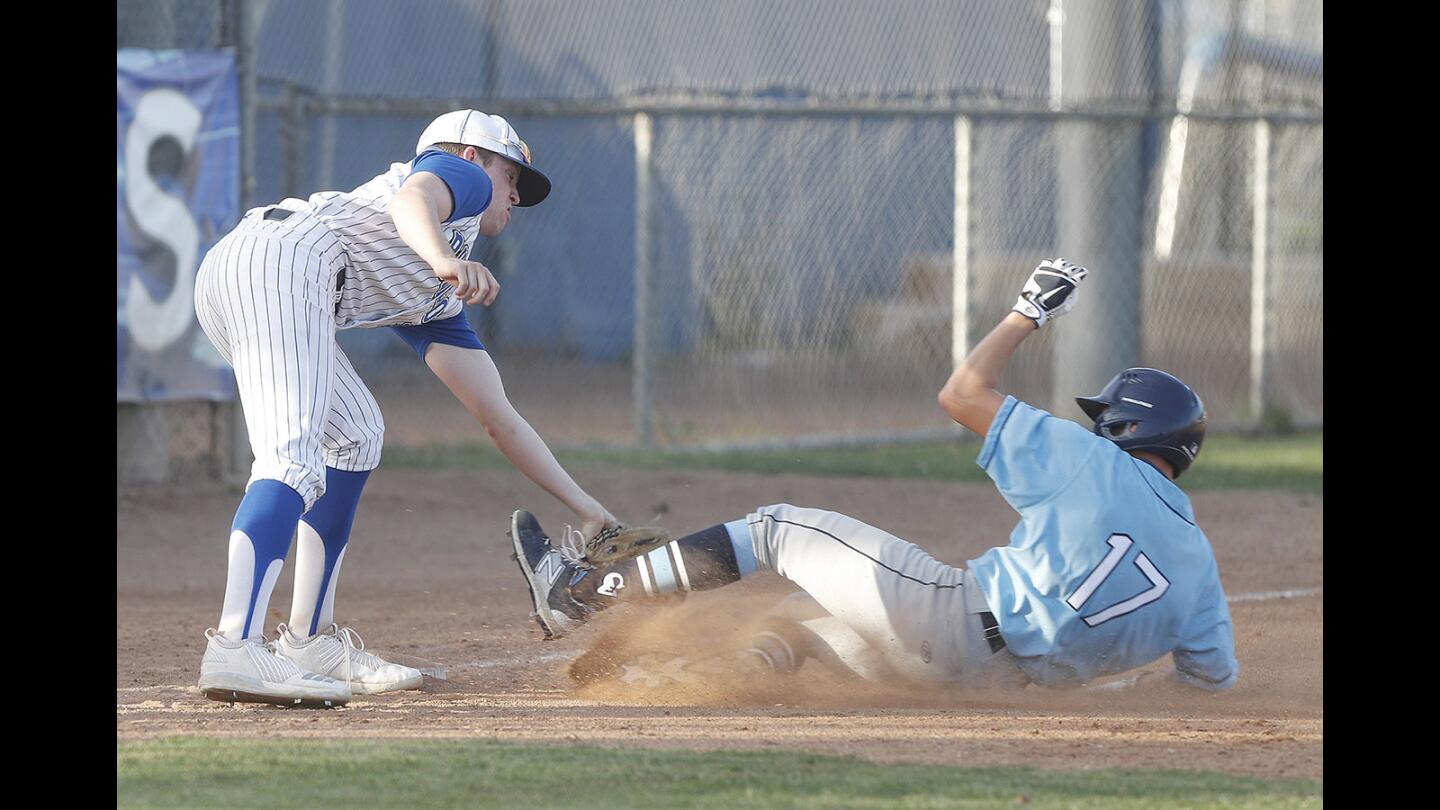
pixel 177 191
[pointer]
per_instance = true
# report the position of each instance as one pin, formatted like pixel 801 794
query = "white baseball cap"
pixel 475 128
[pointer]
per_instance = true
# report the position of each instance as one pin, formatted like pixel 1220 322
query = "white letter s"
pixel 155 325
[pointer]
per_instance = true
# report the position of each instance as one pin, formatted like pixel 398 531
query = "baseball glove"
pixel 619 543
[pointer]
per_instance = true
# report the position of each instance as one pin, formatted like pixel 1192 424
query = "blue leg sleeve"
pixel 259 540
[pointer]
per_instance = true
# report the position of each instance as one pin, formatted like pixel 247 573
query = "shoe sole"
pixel 235 696
pixel 397 686
pixel 246 694
pixel 541 608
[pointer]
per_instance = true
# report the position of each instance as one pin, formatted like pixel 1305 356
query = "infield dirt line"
pixel 521 660
pixel 1266 596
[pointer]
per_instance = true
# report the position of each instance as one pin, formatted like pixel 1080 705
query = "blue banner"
pixel 177 191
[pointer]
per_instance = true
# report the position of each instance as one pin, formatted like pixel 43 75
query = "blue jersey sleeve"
pixel 1031 455
pixel 469 185
pixel 1205 657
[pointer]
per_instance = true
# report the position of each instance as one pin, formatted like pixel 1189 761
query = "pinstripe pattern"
pixel 270 296
pixel 386 282
pixel 265 297
pixel 354 428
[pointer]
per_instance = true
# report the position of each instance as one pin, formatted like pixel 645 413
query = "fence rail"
pixel 298 99
pixel 719 267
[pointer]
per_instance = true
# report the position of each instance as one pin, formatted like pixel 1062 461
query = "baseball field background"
pixel 775 227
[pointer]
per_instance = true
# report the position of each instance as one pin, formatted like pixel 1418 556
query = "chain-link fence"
pixel 782 222
pixel 167 24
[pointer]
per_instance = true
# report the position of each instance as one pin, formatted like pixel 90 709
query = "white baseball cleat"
pixel 251 671
pixel 339 652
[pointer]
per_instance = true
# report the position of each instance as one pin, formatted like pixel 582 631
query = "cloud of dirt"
pixel 684 654
pixel 632 640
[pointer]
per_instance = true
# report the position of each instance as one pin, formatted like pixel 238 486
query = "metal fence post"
pixel 1259 270
pixel 331 72
pixel 643 365
pixel 231 442
pixel 290 134
pixel 1055 21
pixel 1101 189
pixel 960 261
pixel 247 25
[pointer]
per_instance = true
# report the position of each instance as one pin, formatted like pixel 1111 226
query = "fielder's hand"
pixel 597 523
pixel 474 284
pixel 618 543
pixel 1051 291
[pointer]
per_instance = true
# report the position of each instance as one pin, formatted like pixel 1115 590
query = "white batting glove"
pixel 1051 291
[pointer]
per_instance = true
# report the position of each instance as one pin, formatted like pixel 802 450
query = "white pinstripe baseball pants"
pixel 265 296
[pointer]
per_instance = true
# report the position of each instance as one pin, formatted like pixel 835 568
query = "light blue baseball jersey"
pixel 1107 570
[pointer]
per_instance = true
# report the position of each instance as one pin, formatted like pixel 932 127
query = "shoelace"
pixel 348 639
pixel 570 547
pixel 570 551
pixel 353 644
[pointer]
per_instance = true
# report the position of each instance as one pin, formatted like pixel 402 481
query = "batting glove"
pixel 1051 291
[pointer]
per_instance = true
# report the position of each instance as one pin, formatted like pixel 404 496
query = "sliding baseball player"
pixel 1106 571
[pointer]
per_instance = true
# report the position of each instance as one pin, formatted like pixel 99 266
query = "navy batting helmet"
pixel 1147 409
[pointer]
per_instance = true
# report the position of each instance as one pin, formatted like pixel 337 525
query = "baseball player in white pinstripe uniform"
pixel 271 295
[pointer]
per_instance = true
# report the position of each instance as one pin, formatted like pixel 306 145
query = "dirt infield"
pixel 428 575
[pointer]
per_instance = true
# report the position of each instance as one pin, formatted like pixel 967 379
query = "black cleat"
pixel 550 574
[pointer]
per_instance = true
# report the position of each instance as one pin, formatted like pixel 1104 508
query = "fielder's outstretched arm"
pixel 471 375
pixel 970 396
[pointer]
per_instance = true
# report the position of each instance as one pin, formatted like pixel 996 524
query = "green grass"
pixel 1293 462
pixel 198 772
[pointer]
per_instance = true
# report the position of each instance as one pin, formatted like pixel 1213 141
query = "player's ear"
pixel 470 153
